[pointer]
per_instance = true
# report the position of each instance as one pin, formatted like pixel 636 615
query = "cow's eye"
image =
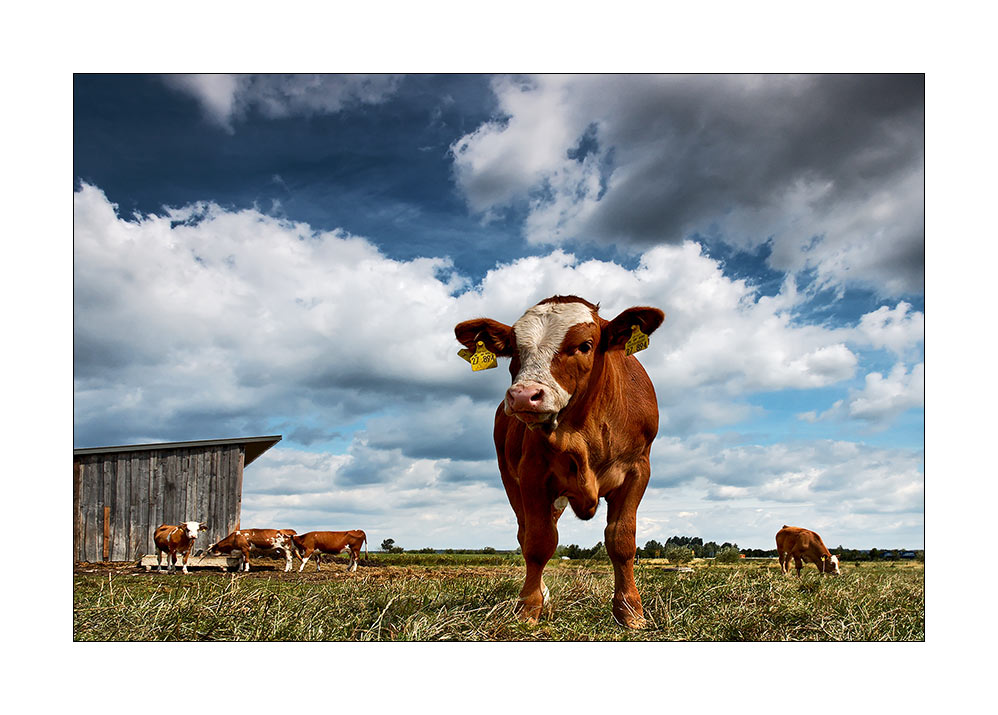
pixel 585 347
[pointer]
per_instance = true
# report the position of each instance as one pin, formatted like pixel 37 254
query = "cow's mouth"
pixel 546 421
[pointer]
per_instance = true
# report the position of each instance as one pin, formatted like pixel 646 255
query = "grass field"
pixel 431 597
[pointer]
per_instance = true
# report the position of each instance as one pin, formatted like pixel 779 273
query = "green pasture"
pixel 471 597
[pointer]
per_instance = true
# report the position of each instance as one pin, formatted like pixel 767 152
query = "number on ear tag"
pixel 481 359
pixel 637 341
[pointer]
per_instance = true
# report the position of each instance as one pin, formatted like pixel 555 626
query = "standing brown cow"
pixel 171 539
pixel 247 541
pixel 577 424
pixel 329 542
pixel 804 545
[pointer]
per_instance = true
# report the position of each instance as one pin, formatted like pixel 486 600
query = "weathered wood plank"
pixel 221 501
pixel 151 501
pixel 106 532
pixel 119 514
pixel 139 516
pixel 204 484
pixel 88 496
pixel 218 527
pixel 93 479
pixel 182 459
pixel 170 489
pixel 232 493
pixel 192 487
pixel 237 505
pixel 77 521
pixel 149 562
pixel 157 492
pixel 108 474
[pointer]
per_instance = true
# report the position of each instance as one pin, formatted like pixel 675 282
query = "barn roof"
pixel 255 446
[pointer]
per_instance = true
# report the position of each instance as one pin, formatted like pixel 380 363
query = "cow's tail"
pixel 365 545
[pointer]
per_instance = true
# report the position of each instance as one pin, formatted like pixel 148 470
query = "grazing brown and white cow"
pixel 172 539
pixel 329 542
pixel 576 424
pixel 793 542
pixel 247 541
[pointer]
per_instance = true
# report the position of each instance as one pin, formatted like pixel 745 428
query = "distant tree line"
pixel 389 546
pixel 655 550
pixel 677 549
pixel 574 551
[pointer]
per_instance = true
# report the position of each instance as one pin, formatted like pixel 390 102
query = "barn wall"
pixel 138 491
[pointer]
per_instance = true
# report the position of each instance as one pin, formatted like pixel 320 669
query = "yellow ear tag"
pixel 637 341
pixel 481 359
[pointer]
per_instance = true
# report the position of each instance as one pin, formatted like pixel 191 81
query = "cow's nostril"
pixel 537 396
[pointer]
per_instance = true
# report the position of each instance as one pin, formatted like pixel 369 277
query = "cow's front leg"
pixel 540 539
pixel 287 562
pixel 622 507
pixel 187 558
pixel 159 561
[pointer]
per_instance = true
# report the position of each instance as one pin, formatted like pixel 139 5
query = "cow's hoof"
pixel 529 613
pixel 629 615
pixel 633 622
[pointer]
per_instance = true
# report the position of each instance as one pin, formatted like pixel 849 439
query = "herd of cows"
pixel 576 425
pixel 172 540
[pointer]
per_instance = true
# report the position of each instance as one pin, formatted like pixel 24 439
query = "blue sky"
pixel 289 254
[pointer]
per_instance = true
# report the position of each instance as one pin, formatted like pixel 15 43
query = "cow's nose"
pixel 526 397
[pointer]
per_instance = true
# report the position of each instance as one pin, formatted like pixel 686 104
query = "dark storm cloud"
pixel 827 169
pixel 726 144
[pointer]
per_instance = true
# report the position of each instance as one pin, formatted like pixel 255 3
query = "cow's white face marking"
pixel 539 335
pixel 835 563
pixel 192 528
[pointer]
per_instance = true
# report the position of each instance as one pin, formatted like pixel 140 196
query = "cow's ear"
pixel 496 336
pixel 618 331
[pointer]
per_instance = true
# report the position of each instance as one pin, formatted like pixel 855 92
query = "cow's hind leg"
pixel 354 558
pixel 798 564
pixel 621 522
pixel 159 560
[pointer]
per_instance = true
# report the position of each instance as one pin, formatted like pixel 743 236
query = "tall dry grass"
pixel 753 602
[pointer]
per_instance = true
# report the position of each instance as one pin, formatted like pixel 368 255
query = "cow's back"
pixel 161 537
pixel 791 539
pixel 796 540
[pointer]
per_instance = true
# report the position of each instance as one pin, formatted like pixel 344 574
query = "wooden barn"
pixel 121 494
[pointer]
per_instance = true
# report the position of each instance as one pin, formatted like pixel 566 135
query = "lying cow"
pixel 171 540
pixel 329 542
pixel 793 542
pixel 247 541
pixel 577 424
